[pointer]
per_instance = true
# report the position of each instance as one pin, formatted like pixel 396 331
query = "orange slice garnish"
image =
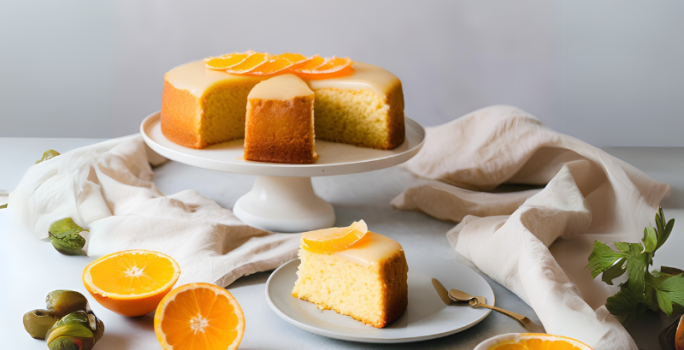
pixel 131 282
pixel 296 58
pixel 274 65
pixel 334 239
pixel 253 61
pixel 534 341
pixel 308 65
pixel 226 61
pixel 262 64
pixel 331 65
pixel 199 316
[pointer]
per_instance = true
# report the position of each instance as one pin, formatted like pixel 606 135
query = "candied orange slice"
pixel 250 63
pixel 535 341
pixel 131 282
pixel 334 239
pixel 330 65
pixel 228 60
pixel 199 316
pixel 308 65
pixel 295 58
pixel 274 65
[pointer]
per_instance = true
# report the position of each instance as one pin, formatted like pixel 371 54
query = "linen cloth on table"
pixel 507 235
pixel 107 188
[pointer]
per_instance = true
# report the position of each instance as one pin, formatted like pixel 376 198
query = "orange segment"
pixel 295 57
pixel 308 65
pixel 228 60
pixel 534 341
pixel 199 316
pixel 334 239
pixel 253 61
pixel 274 65
pixel 330 65
pixel 131 282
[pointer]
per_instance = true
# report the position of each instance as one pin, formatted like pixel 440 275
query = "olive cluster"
pixel 68 323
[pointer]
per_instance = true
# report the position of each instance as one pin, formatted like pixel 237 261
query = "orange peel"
pixel 334 239
pixel 226 61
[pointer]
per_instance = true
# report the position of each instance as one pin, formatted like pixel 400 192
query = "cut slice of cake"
pixel 354 272
pixel 279 126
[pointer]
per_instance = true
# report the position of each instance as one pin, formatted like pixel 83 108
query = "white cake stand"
pixel 283 198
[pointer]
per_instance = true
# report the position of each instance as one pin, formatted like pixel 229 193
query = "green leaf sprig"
pixel 656 290
pixel 66 238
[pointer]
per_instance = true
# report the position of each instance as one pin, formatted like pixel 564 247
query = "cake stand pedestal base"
pixel 284 204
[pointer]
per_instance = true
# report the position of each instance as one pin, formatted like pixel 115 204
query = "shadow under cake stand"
pixel 283 199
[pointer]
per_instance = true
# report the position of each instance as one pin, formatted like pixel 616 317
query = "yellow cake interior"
pixel 280 121
pixel 367 281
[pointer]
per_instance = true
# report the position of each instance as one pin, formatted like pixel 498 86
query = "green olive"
pixel 38 322
pixel 78 330
pixel 63 302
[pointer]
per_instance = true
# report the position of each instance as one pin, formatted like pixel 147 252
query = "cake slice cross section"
pixel 279 125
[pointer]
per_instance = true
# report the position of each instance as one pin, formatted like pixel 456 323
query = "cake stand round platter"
pixel 283 199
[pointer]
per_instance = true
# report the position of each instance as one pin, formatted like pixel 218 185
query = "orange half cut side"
pixel 199 316
pixel 334 239
pixel 131 282
pixel 534 341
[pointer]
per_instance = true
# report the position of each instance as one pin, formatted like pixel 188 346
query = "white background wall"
pixel 608 72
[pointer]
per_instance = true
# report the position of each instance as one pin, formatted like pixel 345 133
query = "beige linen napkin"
pixel 107 188
pixel 507 235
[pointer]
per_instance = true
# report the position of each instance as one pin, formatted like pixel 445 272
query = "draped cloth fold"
pixel 507 235
pixel 107 188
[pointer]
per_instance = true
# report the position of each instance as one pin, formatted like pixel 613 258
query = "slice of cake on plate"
pixel 280 121
pixel 354 272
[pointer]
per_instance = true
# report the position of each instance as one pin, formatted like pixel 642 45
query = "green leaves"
pixel 664 230
pixel 65 237
pixel 49 154
pixel 629 258
pixel 626 306
pixel 650 239
pixel 659 290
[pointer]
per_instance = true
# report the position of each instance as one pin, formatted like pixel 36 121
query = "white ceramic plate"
pixel 426 317
pixel 335 158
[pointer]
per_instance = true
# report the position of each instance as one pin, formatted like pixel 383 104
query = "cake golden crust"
pixel 177 123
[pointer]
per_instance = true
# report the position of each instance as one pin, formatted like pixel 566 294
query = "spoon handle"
pixel 524 322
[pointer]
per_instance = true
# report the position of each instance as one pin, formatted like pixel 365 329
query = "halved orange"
pixel 131 282
pixel 334 239
pixel 535 341
pixel 199 316
pixel 226 61
pixel 253 61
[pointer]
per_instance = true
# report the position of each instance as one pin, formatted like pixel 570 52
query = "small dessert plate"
pixel 426 316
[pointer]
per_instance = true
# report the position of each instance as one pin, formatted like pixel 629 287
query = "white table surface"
pixel 31 268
